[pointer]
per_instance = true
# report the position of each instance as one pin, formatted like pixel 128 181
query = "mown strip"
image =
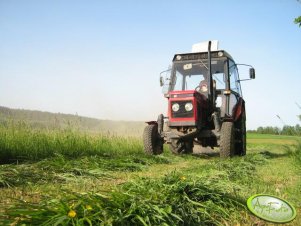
pixel 195 196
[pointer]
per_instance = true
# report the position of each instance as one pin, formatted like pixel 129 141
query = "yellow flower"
pixel 72 214
pixel 88 207
pixel 183 178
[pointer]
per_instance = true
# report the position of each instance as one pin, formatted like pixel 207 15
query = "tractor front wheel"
pixel 227 143
pixel 153 144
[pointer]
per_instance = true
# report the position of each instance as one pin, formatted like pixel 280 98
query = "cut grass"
pixel 195 195
pixel 61 169
pixel 171 200
pixel 109 180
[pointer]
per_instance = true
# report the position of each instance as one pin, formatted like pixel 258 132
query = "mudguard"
pixel 152 123
pixel 238 109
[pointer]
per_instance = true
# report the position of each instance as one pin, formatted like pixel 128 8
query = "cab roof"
pixel 201 55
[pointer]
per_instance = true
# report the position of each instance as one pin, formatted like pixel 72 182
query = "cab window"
pixel 234 79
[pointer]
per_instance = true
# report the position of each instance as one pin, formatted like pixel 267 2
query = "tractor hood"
pixel 184 107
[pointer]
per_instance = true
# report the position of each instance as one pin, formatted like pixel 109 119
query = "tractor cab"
pixel 204 102
pixel 190 72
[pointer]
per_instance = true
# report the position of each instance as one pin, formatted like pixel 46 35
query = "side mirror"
pixel 161 81
pixel 252 73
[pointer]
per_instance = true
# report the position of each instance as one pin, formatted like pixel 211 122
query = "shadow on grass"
pixel 268 154
pixel 272 155
pixel 265 153
pixel 206 155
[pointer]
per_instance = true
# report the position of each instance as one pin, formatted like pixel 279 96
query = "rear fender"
pixel 159 123
pixel 239 109
pixel 152 123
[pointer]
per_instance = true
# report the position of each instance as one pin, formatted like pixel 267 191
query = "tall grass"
pixel 294 151
pixel 19 142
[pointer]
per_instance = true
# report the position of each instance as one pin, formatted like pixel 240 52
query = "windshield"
pixel 189 74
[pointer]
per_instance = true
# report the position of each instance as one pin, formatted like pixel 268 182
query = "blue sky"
pixel 102 59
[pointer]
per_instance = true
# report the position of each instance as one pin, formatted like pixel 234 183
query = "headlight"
pixel 188 106
pixel 220 54
pixel 175 107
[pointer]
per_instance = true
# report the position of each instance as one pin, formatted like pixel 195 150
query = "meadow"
pixel 70 177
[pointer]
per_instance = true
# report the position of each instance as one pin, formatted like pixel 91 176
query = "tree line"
pixel 285 130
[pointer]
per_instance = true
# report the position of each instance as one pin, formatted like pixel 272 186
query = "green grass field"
pixel 65 177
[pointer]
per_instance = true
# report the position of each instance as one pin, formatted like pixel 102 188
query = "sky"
pixel 102 59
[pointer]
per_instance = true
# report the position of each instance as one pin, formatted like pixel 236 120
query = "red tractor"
pixel 205 104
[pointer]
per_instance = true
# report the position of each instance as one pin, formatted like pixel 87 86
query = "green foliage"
pixel 268 130
pixel 298 21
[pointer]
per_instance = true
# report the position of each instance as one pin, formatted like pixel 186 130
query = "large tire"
pixel 240 137
pixel 181 147
pixel 152 142
pixel 227 143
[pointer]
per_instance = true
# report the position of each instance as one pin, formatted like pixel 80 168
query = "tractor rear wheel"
pixel 152 142
pixel 227 143
pixel 184 147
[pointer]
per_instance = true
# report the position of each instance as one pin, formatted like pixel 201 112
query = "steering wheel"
pixel 203 88
pixel 198 88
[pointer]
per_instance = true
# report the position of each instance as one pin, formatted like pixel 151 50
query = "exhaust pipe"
pixel 210 76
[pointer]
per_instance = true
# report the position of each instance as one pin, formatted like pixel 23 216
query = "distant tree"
pixel 289 130
pixel 298 130
pixel 260 129
pixel 268 130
